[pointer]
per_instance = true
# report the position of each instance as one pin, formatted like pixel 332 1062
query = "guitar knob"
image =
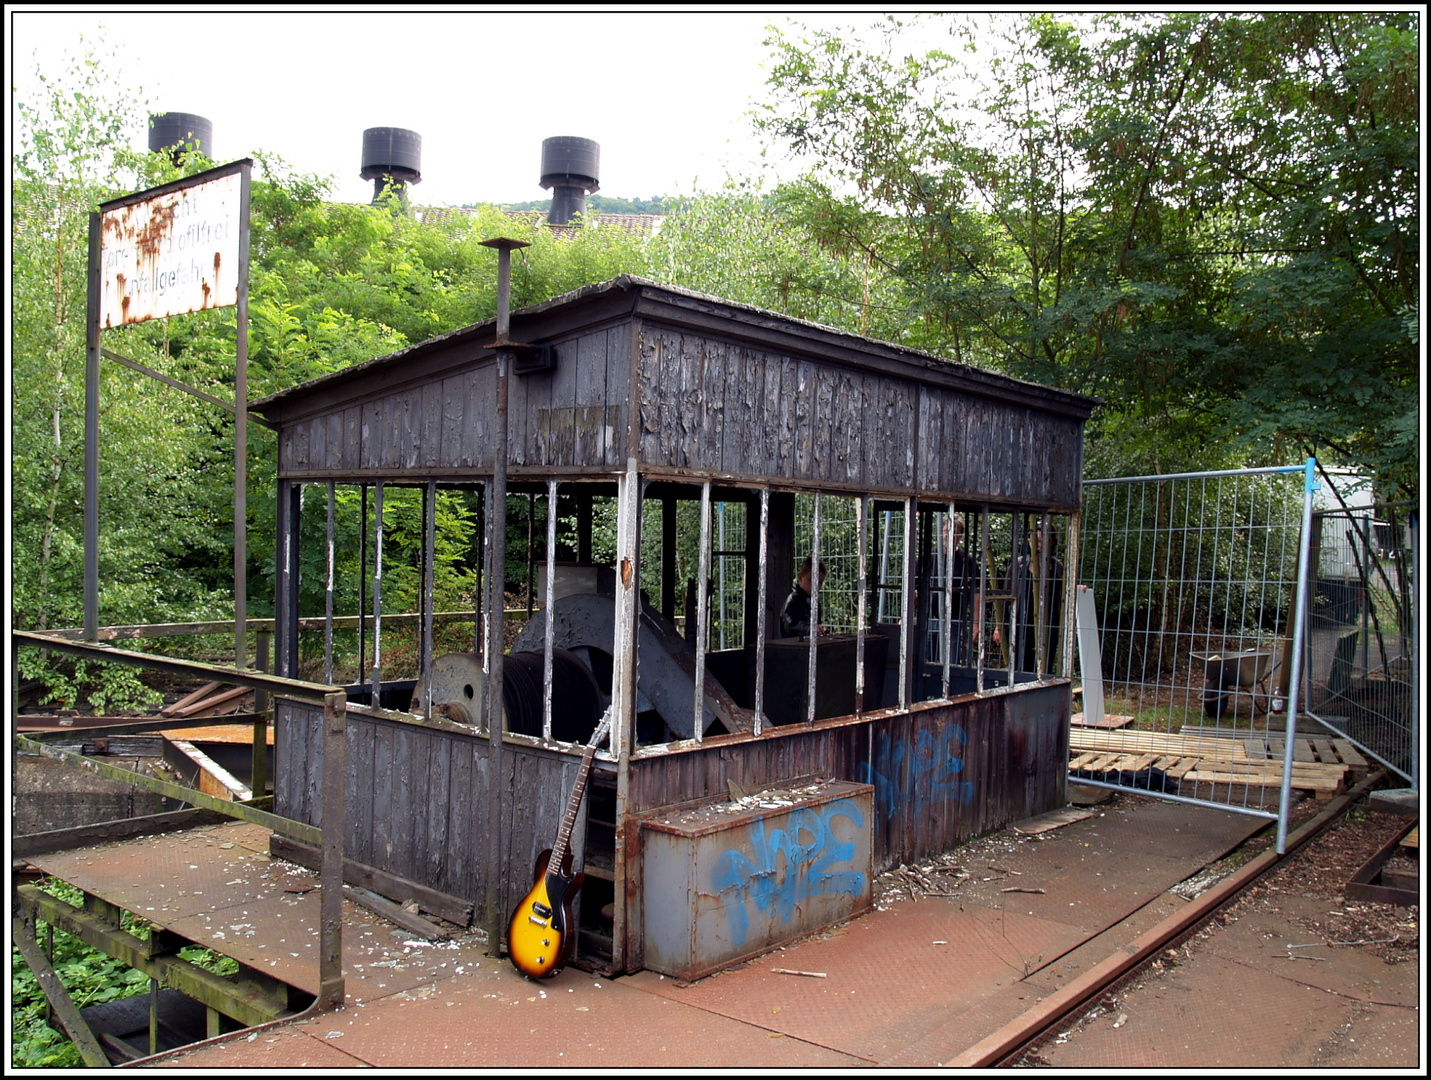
pixel 546 941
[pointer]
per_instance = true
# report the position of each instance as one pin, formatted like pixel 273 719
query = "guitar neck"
pixel 573 804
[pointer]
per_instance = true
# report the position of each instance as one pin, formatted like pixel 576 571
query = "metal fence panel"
pixel 1194 582
pixel 1361 639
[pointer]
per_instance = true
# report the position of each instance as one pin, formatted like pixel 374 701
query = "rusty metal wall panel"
pixel 719 887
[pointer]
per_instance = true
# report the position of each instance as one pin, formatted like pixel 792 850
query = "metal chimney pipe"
pixel 496 539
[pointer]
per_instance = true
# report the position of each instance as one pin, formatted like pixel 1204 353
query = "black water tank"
pixel 569 170
pixel 569 161
pixel 174 131
pixel 390 151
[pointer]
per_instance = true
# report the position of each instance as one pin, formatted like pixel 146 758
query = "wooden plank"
pixel 358 776
pixel 214 779
pixel 480 417
pixel 1323 750
pixel 822 423
pixel 804 419
pixel 931 429
pixel 1349 754
pixel 429 435
pixel 1299 781
pixel 382 795
pixel 352 454
pixel 1301 749
pixel 421 807
pixel 318 443
pixel 1412 839
pixel 233 734
pixel 452 908
pixel 438 781
pixel 413 924
pixel 670 389
pixel 589 391
pixel 650 394
pixel 1047 822
pixel 189 699
pixel 1180 768
pixel 335 439
pixel 1108 722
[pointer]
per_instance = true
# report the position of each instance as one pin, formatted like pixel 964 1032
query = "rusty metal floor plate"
pixel 219 887
pixel 890 977
pixel 909 985
pixel 493 1018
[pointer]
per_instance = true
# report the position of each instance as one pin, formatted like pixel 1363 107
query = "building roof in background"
pixel 643 223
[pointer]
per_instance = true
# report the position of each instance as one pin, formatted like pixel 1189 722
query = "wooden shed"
pixel 679 438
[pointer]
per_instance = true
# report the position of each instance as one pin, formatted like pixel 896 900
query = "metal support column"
pixel 1304 573
pixel 91 436
pixel 496 599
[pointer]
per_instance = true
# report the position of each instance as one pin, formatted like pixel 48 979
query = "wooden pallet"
pixel 1318 765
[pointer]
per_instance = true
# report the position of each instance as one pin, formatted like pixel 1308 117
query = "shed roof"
pixel 670 303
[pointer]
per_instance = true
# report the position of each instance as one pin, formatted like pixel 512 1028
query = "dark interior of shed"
pixel 994 600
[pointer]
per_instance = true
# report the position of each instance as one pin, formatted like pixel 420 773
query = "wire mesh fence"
pixel 1193 579
pixel 1361 638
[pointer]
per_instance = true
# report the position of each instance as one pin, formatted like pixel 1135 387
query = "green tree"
pixel 1208 220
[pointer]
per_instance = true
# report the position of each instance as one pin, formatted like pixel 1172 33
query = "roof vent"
pixel 569 170
pixel 178 132
pixel 392 156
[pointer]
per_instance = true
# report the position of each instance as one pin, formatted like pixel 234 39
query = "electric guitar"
pixel 541 937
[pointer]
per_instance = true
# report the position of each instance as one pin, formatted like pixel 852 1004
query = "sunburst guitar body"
pixel 542 934
pixel 541 937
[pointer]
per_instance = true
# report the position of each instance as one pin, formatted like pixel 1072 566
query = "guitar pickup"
pixel 541 909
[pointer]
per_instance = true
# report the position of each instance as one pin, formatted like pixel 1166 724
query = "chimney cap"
pixel 177 130
pixel 392 151
pixel 571 161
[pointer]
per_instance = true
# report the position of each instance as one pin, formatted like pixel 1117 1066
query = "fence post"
pixel 262 703
pixel 330 958
pixel 1415 522
pixel 1299 619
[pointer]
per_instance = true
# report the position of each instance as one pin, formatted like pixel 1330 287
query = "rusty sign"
pixel 171 254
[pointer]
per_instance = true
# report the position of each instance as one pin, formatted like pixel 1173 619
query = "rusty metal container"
pixel 728 880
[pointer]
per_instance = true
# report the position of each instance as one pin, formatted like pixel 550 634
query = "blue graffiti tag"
pixel 784 871
pixel 911 777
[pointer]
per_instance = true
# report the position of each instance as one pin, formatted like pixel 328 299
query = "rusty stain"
pixel 149 238
pixel 626 573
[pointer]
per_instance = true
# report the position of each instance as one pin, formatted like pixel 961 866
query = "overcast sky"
pixel 665 95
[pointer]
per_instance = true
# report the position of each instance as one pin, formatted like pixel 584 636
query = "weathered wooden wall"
pixel 573 416
pixel 942 774
pixel 718 407
pixel 735 396
pixel 417 800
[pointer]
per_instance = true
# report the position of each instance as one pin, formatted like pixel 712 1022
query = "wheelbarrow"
pixel 1228 674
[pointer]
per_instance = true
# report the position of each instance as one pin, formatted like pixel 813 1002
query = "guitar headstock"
pixel 603 729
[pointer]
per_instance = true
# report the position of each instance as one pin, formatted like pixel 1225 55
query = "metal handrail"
pixel 254 680
pixel 334 701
